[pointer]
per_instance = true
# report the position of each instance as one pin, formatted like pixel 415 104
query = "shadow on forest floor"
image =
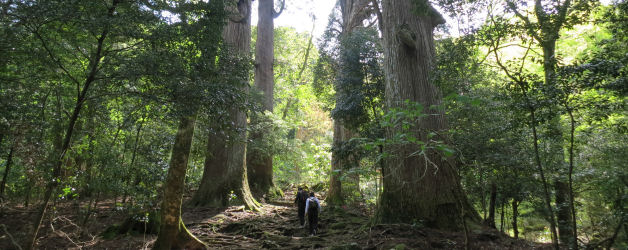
pixel 276 226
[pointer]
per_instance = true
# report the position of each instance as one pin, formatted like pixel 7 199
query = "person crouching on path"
pixel 300 201
pixel 312 209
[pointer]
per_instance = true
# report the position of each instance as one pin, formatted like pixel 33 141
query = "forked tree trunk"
pixel 409 194
pixel 226 170
pixel 172 231
pixel 260 164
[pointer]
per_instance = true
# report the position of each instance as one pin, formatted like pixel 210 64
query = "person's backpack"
pixel 313 208
pixel 302 195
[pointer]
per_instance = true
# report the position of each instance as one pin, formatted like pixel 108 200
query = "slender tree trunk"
pixel 1 139
pixel 227 165
pixel 27 196
pixel 490 221
pixel 132 164
pixel 572 206
pixel 260 164
pixel 546 193
pixel 515 214
pixel 7 169
pixel 409 194
pixel 172 232
pixel 502 216
pixel 93 66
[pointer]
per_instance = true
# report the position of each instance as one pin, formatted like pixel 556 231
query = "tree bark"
pixel 515 214
pixel 563 213
pixel 353 13
pixel 1 138
pixel 260 164
pixel 572 206
pixel 502 216
pixel 408 194
pixel 227 165
pixel 7 169
pixel 338 165
pixel 490 221
pixel 172 231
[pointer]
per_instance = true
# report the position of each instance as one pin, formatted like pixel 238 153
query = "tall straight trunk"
pixel 546 32
pixel 94 67
pixel 338 165
pixel 546 194
pixel 172 231
pixel 572 206
pixel 562 189
pixel 134 170
pixel 563 213
pixel 7 169
pixel 502 216
pixel 490 221
pixel 353 13
pixel 408 194
pixel 227 165
pixel 515 214
pixel 260 164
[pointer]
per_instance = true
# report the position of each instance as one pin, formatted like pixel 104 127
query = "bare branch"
pixel 529 25
pixel 277 13
pixel 378 12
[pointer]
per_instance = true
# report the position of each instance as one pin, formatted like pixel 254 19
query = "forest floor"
pixel 276 226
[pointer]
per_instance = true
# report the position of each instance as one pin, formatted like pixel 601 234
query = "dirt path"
pixel 276 226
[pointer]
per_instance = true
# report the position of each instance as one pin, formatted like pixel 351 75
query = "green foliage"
pixel 359 85
pixel 299 126
pixel 406 122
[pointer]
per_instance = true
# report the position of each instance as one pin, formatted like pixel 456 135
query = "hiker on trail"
pixel 300 201
pixel 312 209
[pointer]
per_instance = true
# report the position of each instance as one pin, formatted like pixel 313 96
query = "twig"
pixel 277 213
pixel 63 234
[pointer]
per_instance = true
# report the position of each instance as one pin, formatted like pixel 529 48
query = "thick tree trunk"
pixel 172 231
pixel 409 194
pixel 353 13
pixel 7 169
pixel 227 166
pixel 490 221
pixel 260 164
pixel 211 191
